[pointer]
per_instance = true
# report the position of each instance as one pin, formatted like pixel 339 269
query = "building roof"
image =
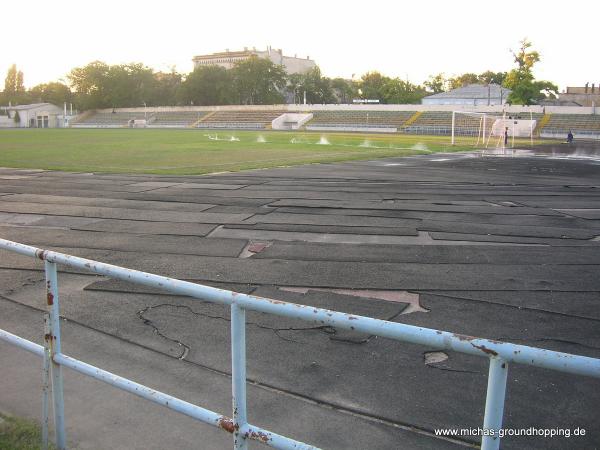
pixel 227 54
pixel 30 106
pixel 474 91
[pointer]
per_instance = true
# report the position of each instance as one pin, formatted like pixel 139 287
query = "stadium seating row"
pixel 372 119
pixel 176 119
pixel 116 119
pixel 566 122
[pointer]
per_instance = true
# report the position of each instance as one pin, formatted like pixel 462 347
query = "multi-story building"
pixel 228 59
pixel 584 96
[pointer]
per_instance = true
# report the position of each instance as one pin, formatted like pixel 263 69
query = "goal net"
pixel 491 130
pixel 473 128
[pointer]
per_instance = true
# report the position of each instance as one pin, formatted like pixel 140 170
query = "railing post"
pixel 238 374
pixel 53 342
pixel 45 382
pixel 494 404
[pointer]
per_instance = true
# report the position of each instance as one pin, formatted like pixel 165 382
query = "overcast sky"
pixel 406 39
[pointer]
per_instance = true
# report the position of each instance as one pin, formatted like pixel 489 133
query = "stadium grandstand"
pixel 582 126
pixel 111 119
pixel 244 119
pixel 175 119
pixel 349 120
pixel 550 122
pixel 431 122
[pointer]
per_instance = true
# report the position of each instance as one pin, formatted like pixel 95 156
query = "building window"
pixel 42 121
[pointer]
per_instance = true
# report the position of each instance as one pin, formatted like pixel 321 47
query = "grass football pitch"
pixel 163 151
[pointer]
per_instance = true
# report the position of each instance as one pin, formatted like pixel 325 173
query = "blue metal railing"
pixel 499 353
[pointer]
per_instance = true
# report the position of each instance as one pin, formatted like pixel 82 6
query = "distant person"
pixel 506 136
pixel 570 137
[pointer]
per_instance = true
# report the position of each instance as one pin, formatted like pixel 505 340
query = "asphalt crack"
pixel 185 349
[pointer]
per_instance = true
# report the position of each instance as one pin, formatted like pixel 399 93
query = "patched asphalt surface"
pixel 503 247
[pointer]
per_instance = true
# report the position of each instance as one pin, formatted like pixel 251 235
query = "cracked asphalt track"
pixel 502 248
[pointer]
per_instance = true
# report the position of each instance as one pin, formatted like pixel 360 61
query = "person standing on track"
pixel 570 137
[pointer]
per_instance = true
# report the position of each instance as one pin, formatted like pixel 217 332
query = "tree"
pixel 371 86
pixel 98 85
pixel 344 90
pixel 489 77
pixel 166 86
pixel 56 93
pixel 129 85
pixel 90 85
pixel 318 89
pixel 14 90
pixel 19 86
pixel 484 78
pixel 258 81
pixel 463 80
pixel 10 82
pixel 207 85
pixel 399 91
pixel 525 58
pixel 525 89
pixel 436 83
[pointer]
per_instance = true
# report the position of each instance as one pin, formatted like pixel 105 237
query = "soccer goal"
pixel 496 130
pixel 473 128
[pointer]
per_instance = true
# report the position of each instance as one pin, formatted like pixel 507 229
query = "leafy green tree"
pixel 98 85
pixel 129 85
pixel 296 87
pixel 463 80
pixel 436 83
pixel 371 86
pixel 166 86
pixel 399 91
pixel 318 88
pixel 90 85
pixel 10 82
pixel 524 57
pixel 19 86
pixel 14 90
pixel 484 78
pixel 344 90
pixel 489 77
pixel 56 93
pixel 258 81
pixel 525 89
pixel 207 85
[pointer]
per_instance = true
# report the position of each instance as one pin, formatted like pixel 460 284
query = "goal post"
pixel 472 127
pixel 478 128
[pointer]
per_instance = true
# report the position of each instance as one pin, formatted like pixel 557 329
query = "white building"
pixel 472 94
pixel 36 115
pixel 227 59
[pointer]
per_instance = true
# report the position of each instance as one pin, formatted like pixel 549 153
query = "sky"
pixel 410 40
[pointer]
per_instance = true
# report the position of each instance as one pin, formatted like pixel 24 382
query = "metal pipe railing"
pixel 499 353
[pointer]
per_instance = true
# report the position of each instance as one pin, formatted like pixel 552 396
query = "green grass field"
pixel 197 152
pixel 20 434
